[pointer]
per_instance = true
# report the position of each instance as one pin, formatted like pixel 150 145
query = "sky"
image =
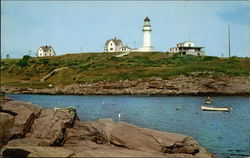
pixel 75 26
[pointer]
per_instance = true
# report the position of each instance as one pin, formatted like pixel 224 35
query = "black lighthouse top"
pixel 146 19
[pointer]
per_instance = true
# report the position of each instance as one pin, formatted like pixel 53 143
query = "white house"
pixel 46 51
pixel 113 45
pixel 187 48
pixel 147 45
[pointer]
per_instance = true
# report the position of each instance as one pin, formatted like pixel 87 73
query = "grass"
pixel 92 67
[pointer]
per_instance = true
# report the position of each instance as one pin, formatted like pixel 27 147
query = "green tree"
pixel 7 56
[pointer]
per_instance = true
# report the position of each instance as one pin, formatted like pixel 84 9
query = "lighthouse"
pixel 147 45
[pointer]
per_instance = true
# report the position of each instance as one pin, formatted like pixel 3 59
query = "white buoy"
pixel 119 116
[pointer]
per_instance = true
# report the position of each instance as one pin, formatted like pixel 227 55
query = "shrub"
pixel 207 58
pixel 26 57
pixel 44 61
pixel 22 62
pixel 2 63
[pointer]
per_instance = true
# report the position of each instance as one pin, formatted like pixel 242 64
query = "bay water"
pixel 226 134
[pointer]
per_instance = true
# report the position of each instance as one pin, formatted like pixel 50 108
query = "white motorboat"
pixel 211 108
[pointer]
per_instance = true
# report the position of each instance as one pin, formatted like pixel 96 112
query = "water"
pixel 226 134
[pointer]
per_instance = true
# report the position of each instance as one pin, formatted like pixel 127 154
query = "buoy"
pixel 119 116
pixel 177 108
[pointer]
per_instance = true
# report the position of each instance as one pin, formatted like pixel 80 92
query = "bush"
pixel 22 62
pixel 44 61
pixel 2 63
pixel 26 57
pixel 208 58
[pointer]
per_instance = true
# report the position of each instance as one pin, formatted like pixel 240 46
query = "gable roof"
pixel 46 48
pixel 116 41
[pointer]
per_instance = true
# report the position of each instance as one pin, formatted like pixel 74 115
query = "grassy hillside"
pixel 88 67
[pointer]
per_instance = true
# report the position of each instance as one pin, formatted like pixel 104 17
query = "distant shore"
pixel 183 85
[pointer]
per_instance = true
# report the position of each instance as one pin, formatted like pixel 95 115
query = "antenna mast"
pixel 229 46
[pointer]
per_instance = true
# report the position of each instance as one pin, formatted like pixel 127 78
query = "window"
pixel 111 44
pixel 111 49
pixel 189 44
pixel 40 54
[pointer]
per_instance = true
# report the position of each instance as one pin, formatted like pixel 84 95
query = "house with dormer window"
pixel 113 45
pixel 46 51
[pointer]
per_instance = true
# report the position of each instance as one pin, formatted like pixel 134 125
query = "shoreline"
pixel 155 86
pixel 142 95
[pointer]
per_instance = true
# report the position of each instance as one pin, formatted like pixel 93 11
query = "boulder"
pixel 51 126
pixel 25 116
pixel 133 137
pixel 6 124
pixel 108 138
pixel 82 131
pixel 3 98
pixel 115 153
pixel 35 151
pixel 104 129
pixel 28 141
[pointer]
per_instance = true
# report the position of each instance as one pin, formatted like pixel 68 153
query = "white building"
pixel 46 51
pixel 147 45
pixel 125 49
pixel 113 45
pixel 187 48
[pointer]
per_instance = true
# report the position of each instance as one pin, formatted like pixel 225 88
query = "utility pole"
pixel 229 45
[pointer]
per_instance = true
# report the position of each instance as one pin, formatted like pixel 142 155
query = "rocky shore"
pixel 182 85
pixel 28 130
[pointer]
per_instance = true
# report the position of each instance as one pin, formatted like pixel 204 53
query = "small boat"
pixel 211 108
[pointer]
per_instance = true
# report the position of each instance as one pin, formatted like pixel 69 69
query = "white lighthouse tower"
pixel 147 45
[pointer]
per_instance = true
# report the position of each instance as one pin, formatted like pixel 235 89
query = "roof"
pixel 146 19
pixel 46 48
pixel 189 47
pixel 116 41
pixel 185 42
pixel 125 46
pixel 186 47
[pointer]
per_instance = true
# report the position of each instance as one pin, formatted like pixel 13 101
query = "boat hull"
pixel 208 108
